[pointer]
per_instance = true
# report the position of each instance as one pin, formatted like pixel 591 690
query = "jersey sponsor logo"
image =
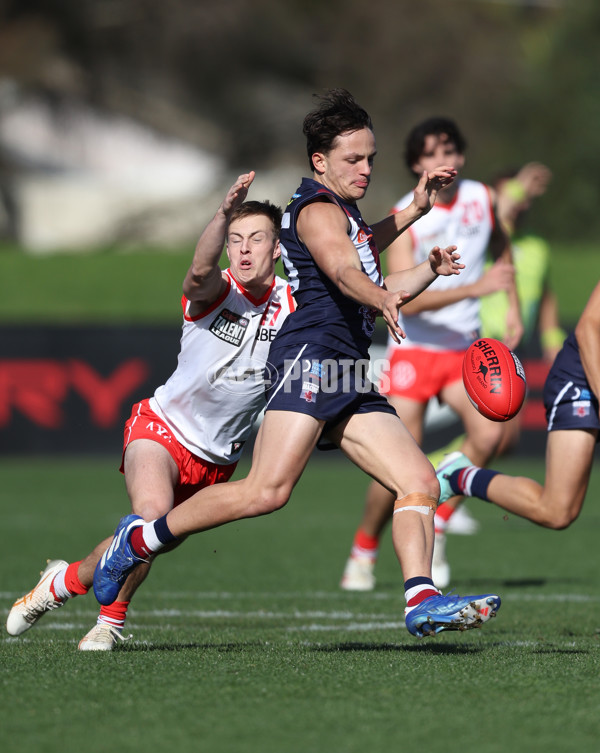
pixel 316 369
pixel 236 447
pixel 230 327
pixel 311 380
pixel 309 395
pixel 581 408
pixel 265 334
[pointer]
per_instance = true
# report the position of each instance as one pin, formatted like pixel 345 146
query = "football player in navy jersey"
pixel 571 396
pixel 318 360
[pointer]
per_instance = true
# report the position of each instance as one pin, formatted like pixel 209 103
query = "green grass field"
pixel 145 286
pixel 243 643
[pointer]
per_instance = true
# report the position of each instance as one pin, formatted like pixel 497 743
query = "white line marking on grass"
pixel 352 626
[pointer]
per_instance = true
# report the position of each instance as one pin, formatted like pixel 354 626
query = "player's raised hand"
pixel 238 192
pixel 429 184
pixel 444 261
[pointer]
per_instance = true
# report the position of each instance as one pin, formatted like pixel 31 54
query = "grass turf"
pixel 144 286
pixel 244 643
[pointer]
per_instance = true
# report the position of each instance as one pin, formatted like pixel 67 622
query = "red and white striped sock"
pixel 442 515
pixel 365 546
pixel 114 615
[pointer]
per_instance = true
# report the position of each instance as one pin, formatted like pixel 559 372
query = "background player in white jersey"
pixel 440 325
pixel 190 434
pixel 332 257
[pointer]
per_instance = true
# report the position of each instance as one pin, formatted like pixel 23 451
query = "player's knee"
pixel 271 499
pixel 426 483
pixel 151 508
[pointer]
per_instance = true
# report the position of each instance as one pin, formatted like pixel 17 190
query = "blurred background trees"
pixel 235 78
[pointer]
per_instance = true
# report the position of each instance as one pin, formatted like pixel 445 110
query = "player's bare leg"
pixel 359 571
pixel 382 446
pixel 558 502
pixel 150 477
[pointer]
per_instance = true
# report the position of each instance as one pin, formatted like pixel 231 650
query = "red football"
pixel 494 379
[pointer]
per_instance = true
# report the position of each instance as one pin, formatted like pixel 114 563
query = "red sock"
pixel 422 595
pixel 442 516
pixel 72 582
pixel 69 584
pixel 365 545
pixel 114 614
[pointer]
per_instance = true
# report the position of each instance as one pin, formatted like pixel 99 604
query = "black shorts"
pixel 322 383
pixel 569 403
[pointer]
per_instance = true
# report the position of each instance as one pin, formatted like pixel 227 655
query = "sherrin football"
pixel 494 379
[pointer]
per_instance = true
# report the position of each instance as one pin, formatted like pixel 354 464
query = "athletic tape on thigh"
pixel 422 503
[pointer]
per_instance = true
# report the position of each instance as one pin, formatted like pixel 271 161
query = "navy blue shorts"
pixel 322 383
pixel 569 403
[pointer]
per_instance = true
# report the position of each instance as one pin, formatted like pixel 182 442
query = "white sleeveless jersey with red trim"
pixel 467 222
pixel 217 390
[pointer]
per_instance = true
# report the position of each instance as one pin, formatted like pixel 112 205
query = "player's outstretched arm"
pixel 441 261
pixel 204 282
pixel 425 194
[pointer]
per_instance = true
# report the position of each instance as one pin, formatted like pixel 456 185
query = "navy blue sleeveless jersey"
pixel 568 362
pixel 324 315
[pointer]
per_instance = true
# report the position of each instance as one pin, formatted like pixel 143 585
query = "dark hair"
pixel 250 208
pixel 337 113
pixel 415 141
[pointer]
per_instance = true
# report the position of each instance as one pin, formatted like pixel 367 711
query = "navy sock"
pixel 163 534
pixel 151 537
pixel 418 581
pixel 472 482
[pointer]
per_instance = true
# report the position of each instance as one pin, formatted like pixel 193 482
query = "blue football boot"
pixel 451 612
pixel 117 561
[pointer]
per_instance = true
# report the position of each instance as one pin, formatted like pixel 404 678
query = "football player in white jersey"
pixel 440 324
pixel 190 434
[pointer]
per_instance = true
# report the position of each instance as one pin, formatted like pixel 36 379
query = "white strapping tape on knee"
pixel 423 509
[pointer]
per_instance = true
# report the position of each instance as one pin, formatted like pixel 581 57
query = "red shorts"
pixel 419 374
pixel 194 473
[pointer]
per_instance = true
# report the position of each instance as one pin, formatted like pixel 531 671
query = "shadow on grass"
pixel 488 585
pixel 433 648
pixel 221 647
pixel 346 646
